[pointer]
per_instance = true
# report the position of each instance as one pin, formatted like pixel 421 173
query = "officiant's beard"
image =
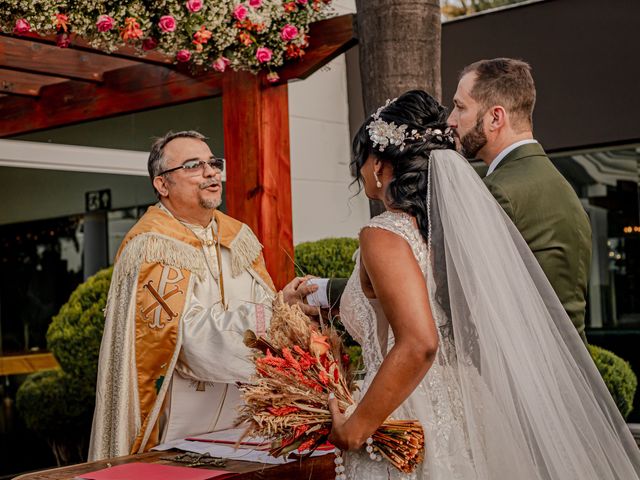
pixel 473 141
pixel 209 204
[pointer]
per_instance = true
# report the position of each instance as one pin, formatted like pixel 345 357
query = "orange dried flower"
pixel 282 411
pixel 245 38
pixel 319 345
pixel 131 30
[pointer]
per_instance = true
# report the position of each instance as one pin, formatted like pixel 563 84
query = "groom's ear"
pixel 498 117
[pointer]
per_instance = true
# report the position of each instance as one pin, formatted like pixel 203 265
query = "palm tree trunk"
pixel 399 51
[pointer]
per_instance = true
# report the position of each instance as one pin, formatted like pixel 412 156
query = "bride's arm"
pixel 398 283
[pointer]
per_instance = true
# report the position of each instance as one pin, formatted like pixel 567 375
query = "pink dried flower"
pixel 183 55
pixel 194 5
pixel 302 2
pixel 149 43
pixel 221 64
pixel 22 26
pixel 63 40
pixel 255 3
pixel 289 32
pixel 264 54
pixel 167 23
pixel 273 77
pixel 105 23
pixel 240 12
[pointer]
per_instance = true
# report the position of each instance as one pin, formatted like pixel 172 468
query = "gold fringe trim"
pixel 245 248
pixel 157 248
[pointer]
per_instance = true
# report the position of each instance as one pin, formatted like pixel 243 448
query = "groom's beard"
pixel 473 141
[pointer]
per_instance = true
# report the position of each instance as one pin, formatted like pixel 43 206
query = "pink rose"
pixel 255 3
pixel 167 23
pixel 194 5
pixel 289 32
pixel 22 26
pixel 149 44
pixel 240 12
pixel 273 77
pixel 183 55
pixel 221 64
pixel 263 54
pixel 105 23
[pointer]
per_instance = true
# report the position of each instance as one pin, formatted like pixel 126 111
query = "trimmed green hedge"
pixel 75 333
pixel 618 376
pixel 58 404
pixel 52 402
pixel 331 257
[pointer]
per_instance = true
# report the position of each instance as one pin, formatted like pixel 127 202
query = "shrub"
pixel 618 376
pixel 331 257
pixel 52 401
pixel 58 404
pixel 75 333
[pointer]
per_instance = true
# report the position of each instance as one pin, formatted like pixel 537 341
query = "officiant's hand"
pixel 296 291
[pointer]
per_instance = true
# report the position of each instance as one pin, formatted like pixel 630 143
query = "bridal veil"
pixel 535 406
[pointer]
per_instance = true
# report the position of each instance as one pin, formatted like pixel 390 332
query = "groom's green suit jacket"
pixel 547 212
pixel 549 215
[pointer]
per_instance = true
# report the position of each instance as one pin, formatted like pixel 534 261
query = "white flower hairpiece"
pixel 383 134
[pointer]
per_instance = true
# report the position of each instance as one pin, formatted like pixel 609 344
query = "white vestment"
pixel 192 390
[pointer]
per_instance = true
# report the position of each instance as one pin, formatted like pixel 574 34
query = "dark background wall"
pixel 585 56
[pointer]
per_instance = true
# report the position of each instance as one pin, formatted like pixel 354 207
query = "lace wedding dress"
pixel 436 402
pixel 513 392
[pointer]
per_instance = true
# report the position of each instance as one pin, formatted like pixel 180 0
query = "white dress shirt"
pixel 506 152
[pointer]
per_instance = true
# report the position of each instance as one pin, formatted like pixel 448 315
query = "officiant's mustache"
pixel 212 183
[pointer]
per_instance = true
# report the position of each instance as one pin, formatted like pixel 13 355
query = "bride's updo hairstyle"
pixel 406 149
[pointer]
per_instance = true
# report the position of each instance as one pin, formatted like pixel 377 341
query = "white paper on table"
pixel 248 453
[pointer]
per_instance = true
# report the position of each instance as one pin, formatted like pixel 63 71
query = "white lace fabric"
pixel 436 402
pixel 513 393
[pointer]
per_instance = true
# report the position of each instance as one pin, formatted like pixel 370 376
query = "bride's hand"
pixel 341 436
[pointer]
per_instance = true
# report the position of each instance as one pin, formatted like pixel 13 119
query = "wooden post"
pixel 256 145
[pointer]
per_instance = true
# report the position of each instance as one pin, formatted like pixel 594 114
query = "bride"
pixel 460 328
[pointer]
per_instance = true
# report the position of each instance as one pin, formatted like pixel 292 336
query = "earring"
pixel 378 183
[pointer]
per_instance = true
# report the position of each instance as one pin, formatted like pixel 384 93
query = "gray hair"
pixel 156 162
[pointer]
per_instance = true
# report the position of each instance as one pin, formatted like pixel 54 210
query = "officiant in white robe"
pixel 187 283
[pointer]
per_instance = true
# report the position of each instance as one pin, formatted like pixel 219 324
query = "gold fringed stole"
pixel 160 301
pixel 167 254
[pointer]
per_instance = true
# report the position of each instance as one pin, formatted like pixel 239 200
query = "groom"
pixel 492 120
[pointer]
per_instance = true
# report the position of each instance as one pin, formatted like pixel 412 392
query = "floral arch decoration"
pixel 247 35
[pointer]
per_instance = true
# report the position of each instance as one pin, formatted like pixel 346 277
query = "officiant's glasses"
pixel 197 166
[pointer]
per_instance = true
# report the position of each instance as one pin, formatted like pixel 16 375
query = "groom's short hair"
pixel 506 82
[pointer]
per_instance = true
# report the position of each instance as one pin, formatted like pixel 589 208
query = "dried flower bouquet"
pixel 297 366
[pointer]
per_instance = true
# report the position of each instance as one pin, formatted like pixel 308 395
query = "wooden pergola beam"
pixel 127 90
pixel 327 39
pixel 28 84
pixel 35 57
pixel 79 44
pixel 135 87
